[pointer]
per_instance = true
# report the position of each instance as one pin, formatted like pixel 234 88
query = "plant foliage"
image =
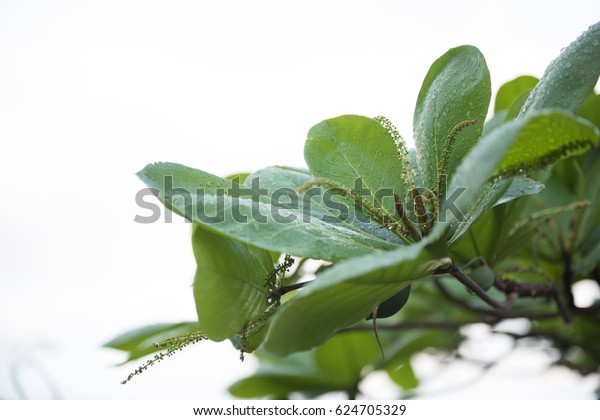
pixel 481 222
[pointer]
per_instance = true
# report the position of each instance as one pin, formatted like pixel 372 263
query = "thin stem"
pixel 291 287
pixel 377 333
pixel 412 230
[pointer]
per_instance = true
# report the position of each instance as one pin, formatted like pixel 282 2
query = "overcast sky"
pixel 91 91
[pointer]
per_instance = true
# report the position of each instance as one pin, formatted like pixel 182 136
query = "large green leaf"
pixel 229 287
pixel 346 293
pixel 338 365
pixel 344 357
pixel 255 217
pixel 332 207
pixel 570 77
pixel 456 89
pixel 351 149
pixel 523 145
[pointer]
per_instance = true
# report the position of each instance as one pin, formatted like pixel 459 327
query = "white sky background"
pixel 91 91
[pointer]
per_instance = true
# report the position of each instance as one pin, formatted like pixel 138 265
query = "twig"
pixel 377 333
pixel 288 288
pixel 456 272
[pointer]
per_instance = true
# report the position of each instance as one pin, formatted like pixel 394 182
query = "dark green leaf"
pixel 392 305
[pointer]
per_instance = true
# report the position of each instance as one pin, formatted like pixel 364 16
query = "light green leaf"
pixel 140 341
pixel 497 120
pixel 515 109
pixel 256 217
pixel 456 89
pixel 347 292
pixel 350 149
pixel 590 109
pixel 277 377
pixel 404 376
pixel 510 91
pixel 230 283
pixel 344 357
pixel 570 77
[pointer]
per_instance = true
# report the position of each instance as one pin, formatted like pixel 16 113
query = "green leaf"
pixel 590 109
pixel 519 187
pixel 140 341
pixel 510 91
pixel 570 77
pixel 324 207
pixel 589 262
pixel 522 232
pixel 350 149
pixel 392 306
pixel 278 377
pixel 344 357
pixel 515 109
pixel 523 145
pixel 404 376
pixel 545 138
pixel 456 89
pixel 229 286
pixel 347 292
pixel 497 120
pixel 494 194
pixel 254 216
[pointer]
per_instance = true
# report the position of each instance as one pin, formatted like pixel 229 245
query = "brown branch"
pixel 457 272
pixel 412 230
pixel 452 325
pixel 534 290
pixel 492 314
pixel 454 299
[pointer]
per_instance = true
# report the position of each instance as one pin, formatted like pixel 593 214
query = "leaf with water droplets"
pixel 545 138
pixel 456 89
pixel 350 149
pixel 347 292
pixel 516 147
pixel 570 77
pixel 257 216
